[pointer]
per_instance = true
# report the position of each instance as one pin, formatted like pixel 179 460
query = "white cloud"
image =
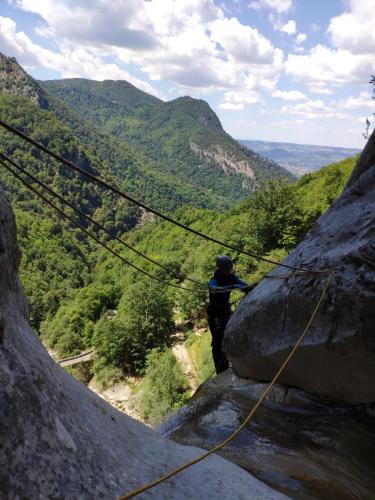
pixel 362 101
pixel 301 38
pixel 315 27
pixel 290 27
pixel 313 110
pixel 350 60
pixel 242 43
pixel 231 106
pixel 243 97
pixel 354 30
pixel 283 123
pixel 278 5
pixel 289 95
pixel 319 88
pixel 201 48
pixel 71 61
pixel 326 65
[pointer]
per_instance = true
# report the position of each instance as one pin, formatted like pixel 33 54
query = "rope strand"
pixel 87 217
pixel 77 224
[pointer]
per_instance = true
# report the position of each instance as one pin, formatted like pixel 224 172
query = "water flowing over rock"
pixel 305 447
pixel 60 440
pixel 337 357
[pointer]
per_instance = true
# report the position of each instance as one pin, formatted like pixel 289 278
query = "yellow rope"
pixel 247 419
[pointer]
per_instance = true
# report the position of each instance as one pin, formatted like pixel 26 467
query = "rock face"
pixel 60 440
pixel 15 81
pixel 306 448
pixel 337 357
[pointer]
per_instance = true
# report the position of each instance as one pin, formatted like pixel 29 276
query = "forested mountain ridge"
pixel 184 136
pixel 114 159
pixel 58 258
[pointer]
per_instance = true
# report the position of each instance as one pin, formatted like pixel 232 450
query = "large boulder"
pixel 337 357
pixel 59 440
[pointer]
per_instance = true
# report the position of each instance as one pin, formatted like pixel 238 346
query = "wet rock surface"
pixel 337 357
pixel 58 440
pixel 303 446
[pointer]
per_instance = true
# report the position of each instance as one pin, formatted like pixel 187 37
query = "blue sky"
pixel 278 70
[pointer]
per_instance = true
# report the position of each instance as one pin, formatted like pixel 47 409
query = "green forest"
pixel 167 133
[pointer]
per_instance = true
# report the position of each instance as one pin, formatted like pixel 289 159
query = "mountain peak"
pixel 16 82
pixel 198 109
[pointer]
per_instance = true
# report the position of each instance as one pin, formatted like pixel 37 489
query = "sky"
pixel 275 70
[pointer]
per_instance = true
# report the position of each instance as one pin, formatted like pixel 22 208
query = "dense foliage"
pixel 164 386
pixel 124 314
pixel 183 137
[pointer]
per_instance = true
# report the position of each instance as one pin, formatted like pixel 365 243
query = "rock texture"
pixel 60 440
pixel 15 81
pixel 337 358
pixel 306 448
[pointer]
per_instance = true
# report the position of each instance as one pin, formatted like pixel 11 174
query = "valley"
pixel 299 159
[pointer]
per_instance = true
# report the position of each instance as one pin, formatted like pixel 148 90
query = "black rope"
pixel 61 212
pixel 142 205
pixel 73 221
pixel 87 217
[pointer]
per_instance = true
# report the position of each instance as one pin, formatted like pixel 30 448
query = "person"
pixel 219 310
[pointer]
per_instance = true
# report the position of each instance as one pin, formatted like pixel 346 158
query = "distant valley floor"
pixel 299 158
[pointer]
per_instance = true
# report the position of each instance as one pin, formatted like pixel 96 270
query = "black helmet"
pixel 224 263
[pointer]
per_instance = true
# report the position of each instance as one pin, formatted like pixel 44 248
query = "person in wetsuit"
pixel 219 310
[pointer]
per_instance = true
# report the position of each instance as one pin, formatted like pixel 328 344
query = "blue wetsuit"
pixel 219 312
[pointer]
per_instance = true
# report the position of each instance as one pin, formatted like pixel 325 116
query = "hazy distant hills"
pixel 299 158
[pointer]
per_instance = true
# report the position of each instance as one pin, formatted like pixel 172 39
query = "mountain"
pixel 299 158
pixel 184 137
pixel 27 105
pixel 16 82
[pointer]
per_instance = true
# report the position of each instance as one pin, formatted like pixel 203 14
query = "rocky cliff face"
pixel 222 158
pixel 337 358
pixel 15 81
pixel 60 440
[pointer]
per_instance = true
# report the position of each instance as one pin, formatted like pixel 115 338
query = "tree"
pixel 366 133
pixel 144 321
pixel 280 218
pixel 164 386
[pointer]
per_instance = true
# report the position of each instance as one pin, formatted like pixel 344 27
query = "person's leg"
pixel 217 329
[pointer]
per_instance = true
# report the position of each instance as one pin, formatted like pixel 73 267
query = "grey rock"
pixel 58 440
pixel 301 445
pixel 337 357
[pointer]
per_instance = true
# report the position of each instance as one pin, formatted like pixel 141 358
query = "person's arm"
pixel 245 287
pixel 237 282
pixel 213 285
